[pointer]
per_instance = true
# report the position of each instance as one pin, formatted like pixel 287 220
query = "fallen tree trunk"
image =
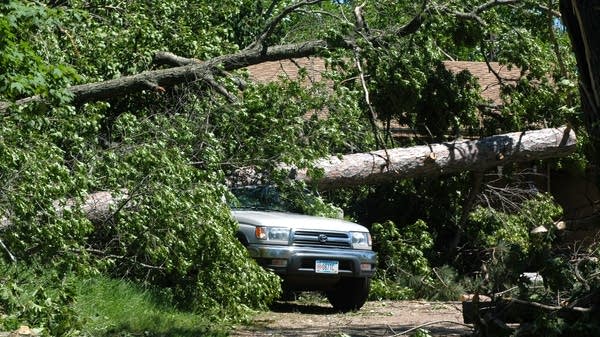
pixel 383 166
pixel 98 207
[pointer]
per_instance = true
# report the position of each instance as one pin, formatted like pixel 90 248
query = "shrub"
pixel 404 271
pixel 38 297
pixel 488 226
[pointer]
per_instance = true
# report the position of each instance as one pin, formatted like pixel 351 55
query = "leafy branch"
pixel 190 70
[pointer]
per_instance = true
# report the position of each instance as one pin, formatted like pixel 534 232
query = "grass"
pixel 111 307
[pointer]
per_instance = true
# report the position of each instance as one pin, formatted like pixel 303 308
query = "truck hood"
pixel 294 221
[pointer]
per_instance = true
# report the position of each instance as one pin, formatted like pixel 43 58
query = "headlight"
pixel 361 240
pixel 272 233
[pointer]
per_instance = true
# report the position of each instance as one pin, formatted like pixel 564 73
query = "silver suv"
pixel 308 252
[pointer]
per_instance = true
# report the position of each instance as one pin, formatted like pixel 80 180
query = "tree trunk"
pixel 386 166
pixel 98 207
pixel 383 166
pixel 583 25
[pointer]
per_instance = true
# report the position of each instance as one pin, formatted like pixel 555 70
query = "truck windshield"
pixel 259 197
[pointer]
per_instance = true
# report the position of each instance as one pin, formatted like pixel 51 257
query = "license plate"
pixel 326 267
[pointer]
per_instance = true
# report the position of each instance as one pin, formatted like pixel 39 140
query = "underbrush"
pixel 404 272
pixel 445 285
pixel 515 259
pixel 38 298
pixel 499 248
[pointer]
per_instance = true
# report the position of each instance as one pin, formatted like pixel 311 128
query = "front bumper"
pixel 301 260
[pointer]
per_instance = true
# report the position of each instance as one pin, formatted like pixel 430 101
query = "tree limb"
pixel 10 255
pixel 554 41
pixel 170 59
pixel 428 324
pixel 476 182
pixel 122 257
pixel 417 161
pixel 221 89
pixel 361 24
pixel 268 31
pixel 490 4
pixel 546 307
pixel 475 12
pixel 372 112
pixel 549 10
pixel 191 72
pixel 188 71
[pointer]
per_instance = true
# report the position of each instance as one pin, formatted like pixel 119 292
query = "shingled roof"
pixel 489 80
pixel 273 70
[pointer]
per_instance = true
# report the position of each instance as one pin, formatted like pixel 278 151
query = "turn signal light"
pixel 260 232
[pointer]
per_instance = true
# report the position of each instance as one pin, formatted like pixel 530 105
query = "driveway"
pixel 377 318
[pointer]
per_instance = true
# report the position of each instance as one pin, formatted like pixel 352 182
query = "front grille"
pixel 321 239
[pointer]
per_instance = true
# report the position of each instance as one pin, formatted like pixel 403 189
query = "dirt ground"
pixel 382 318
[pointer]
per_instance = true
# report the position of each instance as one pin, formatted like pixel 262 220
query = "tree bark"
pixel 581 19
pixel 98 207
pixel 384 166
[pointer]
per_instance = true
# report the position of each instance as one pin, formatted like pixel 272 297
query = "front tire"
pixel 349 294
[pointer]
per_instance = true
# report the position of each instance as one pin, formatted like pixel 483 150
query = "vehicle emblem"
pixel 322 238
